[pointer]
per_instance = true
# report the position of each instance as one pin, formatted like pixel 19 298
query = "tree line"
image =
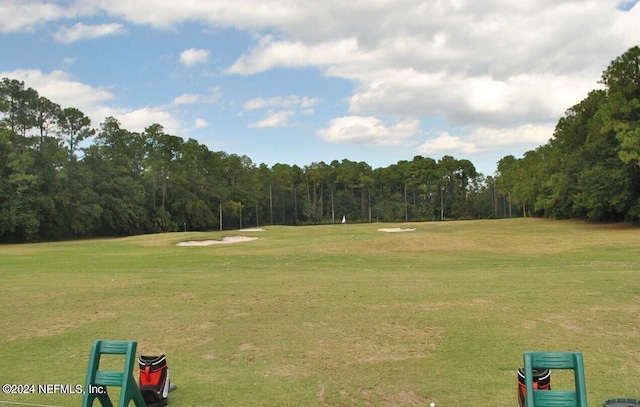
pixel 590 169
pixel 61 178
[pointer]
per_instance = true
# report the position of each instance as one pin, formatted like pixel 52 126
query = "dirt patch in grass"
pixel 289 370
pixel 246 347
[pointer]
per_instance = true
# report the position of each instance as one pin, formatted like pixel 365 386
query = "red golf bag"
pixel 155 383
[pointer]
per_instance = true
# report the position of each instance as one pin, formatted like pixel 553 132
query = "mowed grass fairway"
pixel 332 315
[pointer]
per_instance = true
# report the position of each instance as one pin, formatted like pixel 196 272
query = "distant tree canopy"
pixel 61 178
pixel 590 169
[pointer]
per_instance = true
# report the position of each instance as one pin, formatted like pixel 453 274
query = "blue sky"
pixel 306 81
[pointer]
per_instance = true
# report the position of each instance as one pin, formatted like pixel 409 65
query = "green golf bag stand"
pixel 98 379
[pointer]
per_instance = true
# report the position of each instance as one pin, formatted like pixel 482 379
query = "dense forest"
pixel 61 178
pixel 590 169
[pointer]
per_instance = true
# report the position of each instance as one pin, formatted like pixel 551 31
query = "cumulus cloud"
pixel 291 101
pixel 64 89
pixel 82 31
pixel 280 109
pixel 214 94
pixel 489 64
pixel 200 123
pixel 484 139
pixel 446 143
pixel 27 15
pixel 95 102
pixel 186 99
pixel 167 14
pixel 370 131
pixel 471 100
pixel 256 103
pixel 274 119
pixel 191 57
pixel 460 59
pixel 140 119
pixel 270 54
pixel 498 71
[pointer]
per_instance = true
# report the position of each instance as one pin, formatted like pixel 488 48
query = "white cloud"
pixel 248 14
pixel 496 69
pixel 82 31
pixel 370 131
pixel 291 101
pixel 256 103
pixel 186 99
pixel 486 139
pixel 527 135
pixel 307 102
pixel 60 87
pixel 200 123
pixel 491 64
pixel 274 119
pixel 270 54
pixel 446 143
pixel 65 90
pixel 281 109
pixel 27 15
pixel 191 57
pixel 139 119
pixel 213 96
pixel 481 100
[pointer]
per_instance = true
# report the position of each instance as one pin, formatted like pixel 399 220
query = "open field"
pixel 332 315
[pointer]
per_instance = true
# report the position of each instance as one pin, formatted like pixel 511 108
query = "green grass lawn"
pixel 332 315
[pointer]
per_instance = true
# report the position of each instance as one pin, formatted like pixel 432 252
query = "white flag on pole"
pixel 344 219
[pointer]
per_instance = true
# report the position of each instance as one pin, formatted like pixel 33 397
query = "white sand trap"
pixel 252 230
pixel 394 230
pixel 225 240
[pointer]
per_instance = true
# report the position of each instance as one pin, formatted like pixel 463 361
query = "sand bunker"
pixel 252 230
pixel 392 230
pixel 225 240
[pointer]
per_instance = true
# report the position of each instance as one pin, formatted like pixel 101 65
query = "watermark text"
pixel 50 388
